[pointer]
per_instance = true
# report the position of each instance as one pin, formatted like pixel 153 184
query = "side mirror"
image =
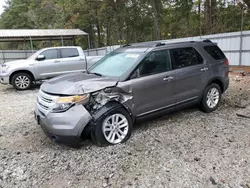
pixel 136 74
pixel 40 58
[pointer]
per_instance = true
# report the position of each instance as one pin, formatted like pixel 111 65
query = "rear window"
pixel 69 52
pixel 215 52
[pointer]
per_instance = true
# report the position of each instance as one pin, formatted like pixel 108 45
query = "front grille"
pixel 45 101
pixel 43 106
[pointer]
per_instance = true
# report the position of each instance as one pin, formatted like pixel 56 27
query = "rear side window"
pixel 69 52
pixel 215 52
pixel 185 57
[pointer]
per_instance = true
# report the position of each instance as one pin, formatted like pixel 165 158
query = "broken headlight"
pixel 64 103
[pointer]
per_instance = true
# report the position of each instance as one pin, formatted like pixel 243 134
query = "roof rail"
pixel 159 43
pixel 207 40
pixel 145 44
pixel 126 45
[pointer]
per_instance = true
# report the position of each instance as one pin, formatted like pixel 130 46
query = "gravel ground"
pixel 185 149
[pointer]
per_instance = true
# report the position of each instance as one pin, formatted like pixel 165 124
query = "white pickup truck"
pixel 44 64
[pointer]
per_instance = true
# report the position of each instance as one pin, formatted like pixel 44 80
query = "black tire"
pixel 25 86
pixel 97 134
pixel 204 105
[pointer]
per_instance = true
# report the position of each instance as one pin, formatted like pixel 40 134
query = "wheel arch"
pixel 217 81
pixel 111 105
pixel 22 71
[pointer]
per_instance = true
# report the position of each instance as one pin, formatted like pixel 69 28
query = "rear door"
pixel 71 61
pixel 153 83
pixel 50 66
pixel 191 73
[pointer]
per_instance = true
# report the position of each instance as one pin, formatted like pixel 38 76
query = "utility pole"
pixel 241 33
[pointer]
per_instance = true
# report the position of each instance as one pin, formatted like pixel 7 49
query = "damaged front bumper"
pixel 65 127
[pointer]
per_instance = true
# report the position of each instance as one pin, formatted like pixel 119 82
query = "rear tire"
pixel 21 81
pixel 113 127
pixel 211 98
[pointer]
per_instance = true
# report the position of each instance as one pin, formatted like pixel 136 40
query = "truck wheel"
pixel 112 128
pixel 211 98
pixel 21 81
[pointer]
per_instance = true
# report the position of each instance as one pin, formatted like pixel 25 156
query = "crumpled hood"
pixel 76 84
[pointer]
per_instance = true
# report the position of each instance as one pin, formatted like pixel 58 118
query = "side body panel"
pixel 151 93
pixel 48 68
pixel 192 80
pixel 219 70
pixel 72 64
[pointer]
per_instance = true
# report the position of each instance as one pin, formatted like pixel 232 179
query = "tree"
pixel 247 2
pixel 110 22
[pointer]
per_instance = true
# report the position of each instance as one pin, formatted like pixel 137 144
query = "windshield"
pixel 33 56
pixel 115 64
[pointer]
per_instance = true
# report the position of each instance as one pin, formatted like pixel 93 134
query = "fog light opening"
pixel 54 138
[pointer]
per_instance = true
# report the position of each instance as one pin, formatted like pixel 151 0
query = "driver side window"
pixel 154 63
pixel 50 54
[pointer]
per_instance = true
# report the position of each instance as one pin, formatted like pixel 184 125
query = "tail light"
pixel 227 62
pixel 226 74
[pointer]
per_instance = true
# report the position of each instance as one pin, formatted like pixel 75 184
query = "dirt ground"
pixel 185 149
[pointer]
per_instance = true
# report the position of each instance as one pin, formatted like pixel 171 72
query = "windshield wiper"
pixel 98 74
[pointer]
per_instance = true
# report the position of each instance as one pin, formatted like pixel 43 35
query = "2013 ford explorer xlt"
pixel 45 63
pixel 130 84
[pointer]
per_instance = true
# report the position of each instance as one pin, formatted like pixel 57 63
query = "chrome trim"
pixel 45 101
pixel 142 114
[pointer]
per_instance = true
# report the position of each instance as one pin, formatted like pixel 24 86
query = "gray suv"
pixel 132 83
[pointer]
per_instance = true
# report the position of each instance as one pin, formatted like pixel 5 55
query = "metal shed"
pixel 14 35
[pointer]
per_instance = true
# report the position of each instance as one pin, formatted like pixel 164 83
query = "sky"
pixel 2 3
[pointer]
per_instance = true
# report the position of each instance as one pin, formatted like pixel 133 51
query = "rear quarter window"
pixel 215 52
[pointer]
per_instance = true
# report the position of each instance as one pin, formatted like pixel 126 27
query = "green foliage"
pixel 110 22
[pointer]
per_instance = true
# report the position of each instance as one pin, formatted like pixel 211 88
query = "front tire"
pixel 211 98
pixel 113 127
pixel 21 81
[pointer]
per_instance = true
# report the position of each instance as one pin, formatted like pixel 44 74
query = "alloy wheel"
pixel 115 128
pixel 22 82
pixel 213 97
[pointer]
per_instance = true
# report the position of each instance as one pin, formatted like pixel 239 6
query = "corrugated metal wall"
pixel 236 50
pixel 12 55
pixel 101 51
pixel 230 43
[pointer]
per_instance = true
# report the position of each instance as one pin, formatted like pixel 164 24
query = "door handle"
pixel 204 69
pixel 56 61
pixel 168 78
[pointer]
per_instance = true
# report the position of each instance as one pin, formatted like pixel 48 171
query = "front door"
pixel 191 73
pixel 153 83
pixel 50 66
